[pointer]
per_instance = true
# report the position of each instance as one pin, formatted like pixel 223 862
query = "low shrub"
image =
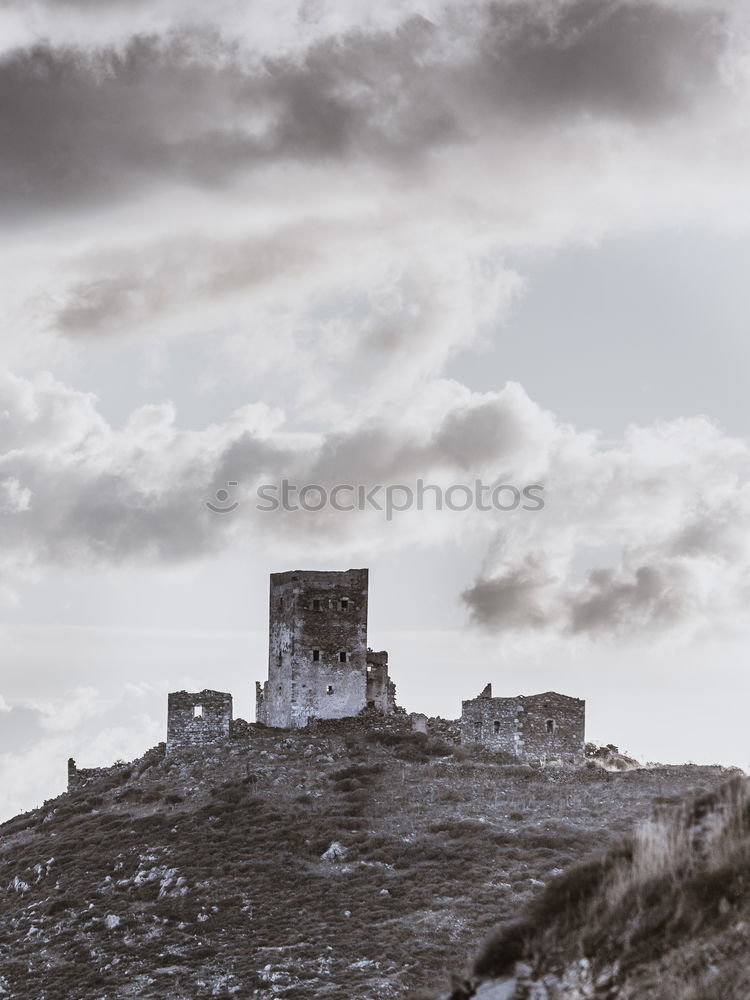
pixel 503 949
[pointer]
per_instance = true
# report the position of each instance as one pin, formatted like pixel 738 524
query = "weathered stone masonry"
pixel 197 719
pixel 381 691
pixel 82 775
pixel 547 726
pixel 79 777
pixel 319 666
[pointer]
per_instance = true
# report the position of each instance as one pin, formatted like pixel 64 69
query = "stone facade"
pixel 197 719
pixel 381 691
pixel 547 726
pixel 319 666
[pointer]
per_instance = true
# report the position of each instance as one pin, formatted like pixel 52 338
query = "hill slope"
pixel 197 876
pixel 662 915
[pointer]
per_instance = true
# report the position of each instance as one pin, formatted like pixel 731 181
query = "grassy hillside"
pixel 662 915
pixel 194 876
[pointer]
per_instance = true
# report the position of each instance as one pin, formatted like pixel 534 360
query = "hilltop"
pixel 356 860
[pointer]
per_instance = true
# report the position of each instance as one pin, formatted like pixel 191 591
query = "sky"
pixel 372 245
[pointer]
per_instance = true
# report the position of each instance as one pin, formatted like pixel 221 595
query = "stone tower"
pixel 317 653
pixel 197 719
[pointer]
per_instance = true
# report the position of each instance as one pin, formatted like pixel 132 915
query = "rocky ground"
pixel 349 862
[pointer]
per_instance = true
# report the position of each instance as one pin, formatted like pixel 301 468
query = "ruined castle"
pixel 320 667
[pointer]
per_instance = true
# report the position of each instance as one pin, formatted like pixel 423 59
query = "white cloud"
pixel 67 712
pixel 658 519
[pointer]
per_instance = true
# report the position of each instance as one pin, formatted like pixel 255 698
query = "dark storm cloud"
pixel 466 438
pixel 510 601
pixel 81 124
pixel 657 595
pixel 526 597
pixel 635 59
pixel 650 596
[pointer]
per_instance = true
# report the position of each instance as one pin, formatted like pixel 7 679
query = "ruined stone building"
pixel 547 726
pixel 197 719
pixel 319 664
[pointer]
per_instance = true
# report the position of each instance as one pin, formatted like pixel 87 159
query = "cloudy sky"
pixel 371 244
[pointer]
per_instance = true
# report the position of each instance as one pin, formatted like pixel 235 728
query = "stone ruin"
pixel 197 719
pixel 321 668
pixel 82 775
pixel 547 726
pixel 380 690
pixel 319 664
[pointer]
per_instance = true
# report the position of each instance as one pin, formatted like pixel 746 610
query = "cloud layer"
pixel 648 533
pixel 321 213
pixel 651 537
pixel 89 123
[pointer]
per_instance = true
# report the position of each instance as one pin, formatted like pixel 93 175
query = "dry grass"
pixel 669 903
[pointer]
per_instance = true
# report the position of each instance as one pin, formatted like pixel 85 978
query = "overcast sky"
pixel 371 244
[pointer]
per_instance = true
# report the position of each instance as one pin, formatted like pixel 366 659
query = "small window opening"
pixel 329 689
pixel 497 726
pixel 197 711
pixel 550 725
pixel 342 656
pixel 316 604
pixel 316 655
pixel 344 603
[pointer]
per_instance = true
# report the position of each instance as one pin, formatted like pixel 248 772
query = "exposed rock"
pixel 336 852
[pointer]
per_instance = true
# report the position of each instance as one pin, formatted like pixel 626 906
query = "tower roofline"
pixel 306 574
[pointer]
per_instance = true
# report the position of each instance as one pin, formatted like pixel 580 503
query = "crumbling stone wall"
pixel 448 730
pixel 317 650
pixel 547 726
pixel 78 776
pixel 81 776
pixel 363 725
pixel 197 719
pixel 381 691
